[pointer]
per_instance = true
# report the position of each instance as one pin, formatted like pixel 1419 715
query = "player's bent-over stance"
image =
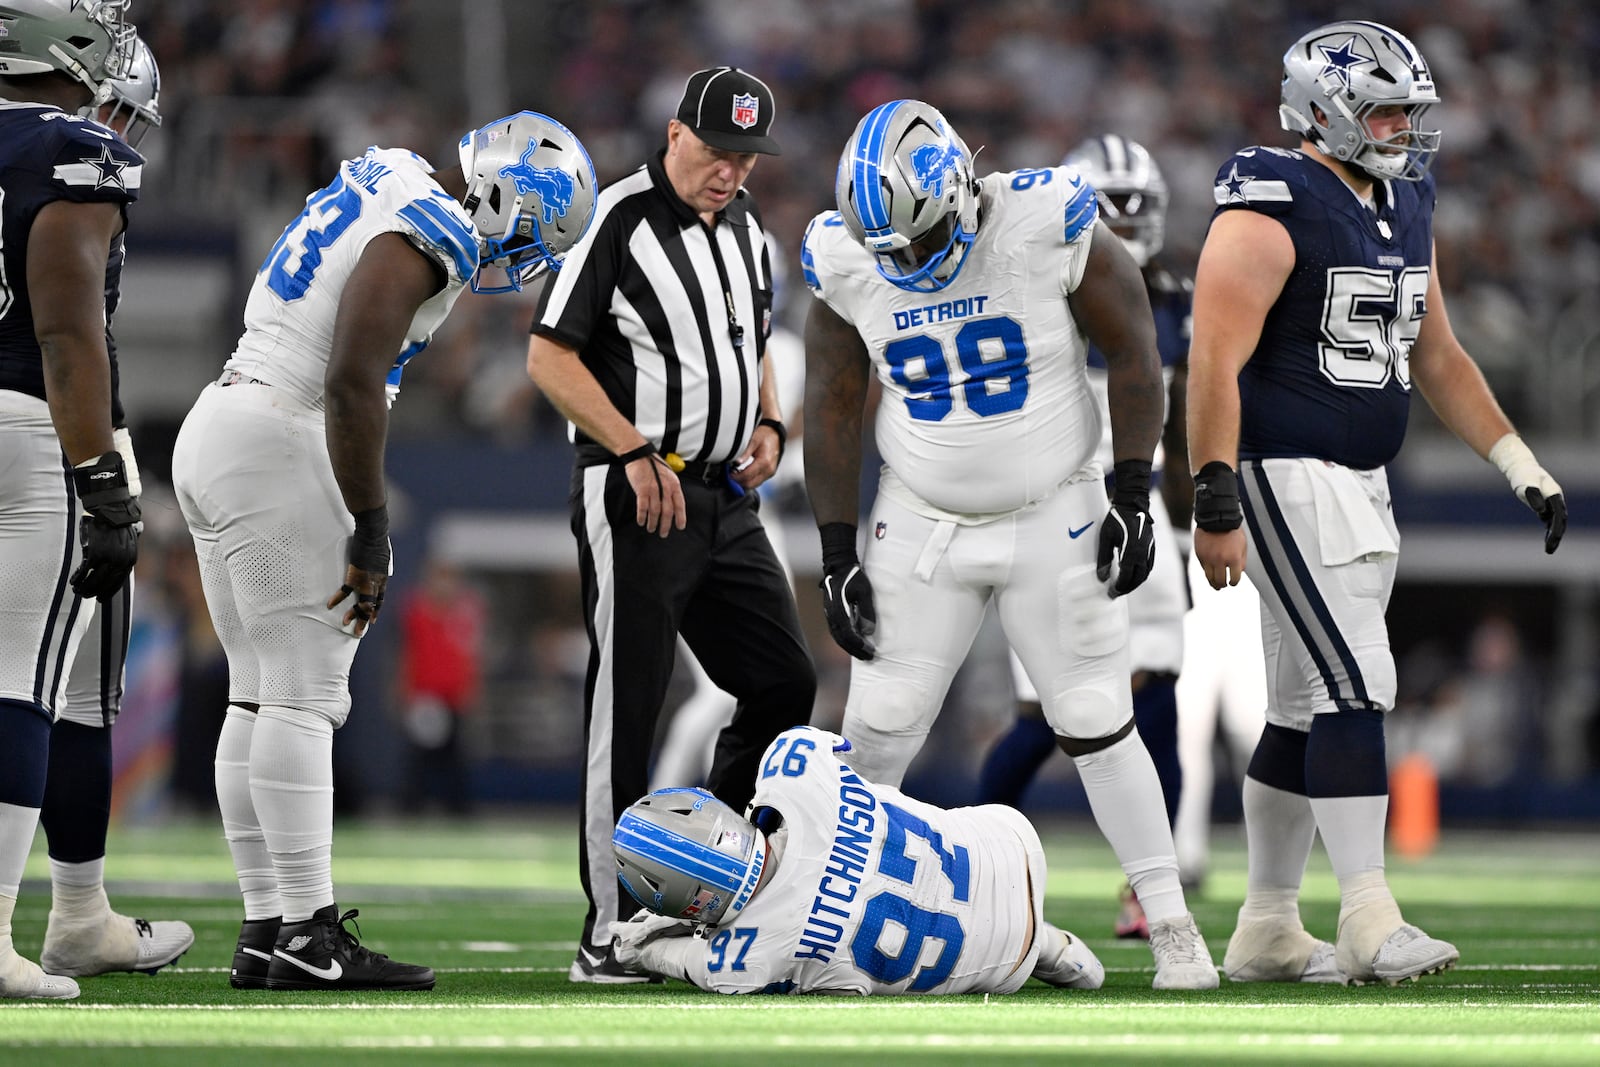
pixel 838 885
pixel 972 301
pixel 279 471
pixel 1317 307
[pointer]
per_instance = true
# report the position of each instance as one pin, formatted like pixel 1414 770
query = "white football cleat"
pixel 1267 950
pixel 1072 965
pixel 1376 945
pixel 112 943
pixel 22 979
pixel 1182 959
pixel 1408 954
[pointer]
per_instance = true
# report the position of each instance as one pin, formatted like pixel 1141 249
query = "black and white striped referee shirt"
pixel 670 316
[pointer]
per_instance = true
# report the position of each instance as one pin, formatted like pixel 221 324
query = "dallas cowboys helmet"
pixel 684 853
pixel 531 194
pixel 135 100
pixel 89 39
pixel 1131 191
pixel 1337 75
pixel 907 194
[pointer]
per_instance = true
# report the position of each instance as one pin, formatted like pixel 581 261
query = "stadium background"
pixel 1497 643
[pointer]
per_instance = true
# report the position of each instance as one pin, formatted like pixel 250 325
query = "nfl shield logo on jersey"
pixel 744 110
pixel 881 531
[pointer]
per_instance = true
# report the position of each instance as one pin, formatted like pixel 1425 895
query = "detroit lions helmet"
pixel 134 101
pixel 1131 191
pixel 684 853
pixel 531 194
pixel 1337 75
pixel 906 191
pixel 89 39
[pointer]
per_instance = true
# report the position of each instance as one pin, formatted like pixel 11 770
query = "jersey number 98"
pixel 993 385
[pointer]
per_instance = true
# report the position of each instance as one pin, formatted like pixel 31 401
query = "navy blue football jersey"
pixel 47 155
pixel 1330 377
pixel 1172 304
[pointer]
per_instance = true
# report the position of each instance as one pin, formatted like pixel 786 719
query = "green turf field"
pixel 494 907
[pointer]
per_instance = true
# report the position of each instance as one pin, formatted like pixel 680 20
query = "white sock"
pixel 257 881
pixel 1279 829
pixel 1352 832
pixel 78 890
pixel 291 783
pixel 17 825
pixel 8 906
pixel 1125 796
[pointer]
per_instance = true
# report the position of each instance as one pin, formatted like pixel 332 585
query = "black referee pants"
pixel 719 583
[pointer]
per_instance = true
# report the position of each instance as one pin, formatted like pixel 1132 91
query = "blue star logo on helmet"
pixel 1338 62
pixel 932 162
pixel 554 186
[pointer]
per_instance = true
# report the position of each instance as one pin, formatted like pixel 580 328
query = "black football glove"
pixel 109 529
pixel 846 593
pixel 1552 510
pixel 1128 536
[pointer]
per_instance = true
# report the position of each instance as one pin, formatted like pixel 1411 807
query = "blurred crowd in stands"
pixel 263 95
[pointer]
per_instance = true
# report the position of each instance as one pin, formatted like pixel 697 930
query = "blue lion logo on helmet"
pixel 932 161
pixel 554 186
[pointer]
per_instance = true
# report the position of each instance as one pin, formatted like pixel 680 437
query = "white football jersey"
pixel 986 404
pixel 874 892
pixel 290 314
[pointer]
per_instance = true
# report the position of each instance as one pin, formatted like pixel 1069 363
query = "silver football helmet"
pixel 1131 191
pixel 134 101
pixel 906 191
pixel 684 853
pixel 88 39
pixel 1337 75
pixel 531 194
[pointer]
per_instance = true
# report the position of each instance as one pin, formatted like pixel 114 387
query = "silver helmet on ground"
pixel 684 853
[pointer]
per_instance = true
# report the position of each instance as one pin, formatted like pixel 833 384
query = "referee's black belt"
pixel 592 455
pixel 708 473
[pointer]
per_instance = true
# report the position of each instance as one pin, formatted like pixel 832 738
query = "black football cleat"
pixel 253 954
pixel 605 970
pixel 320 953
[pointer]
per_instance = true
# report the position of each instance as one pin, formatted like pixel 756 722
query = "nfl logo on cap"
pixel 745 126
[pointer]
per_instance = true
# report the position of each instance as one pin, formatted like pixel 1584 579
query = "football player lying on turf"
pixel 837 885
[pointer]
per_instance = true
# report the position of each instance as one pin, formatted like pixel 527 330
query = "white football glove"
pixel 629 938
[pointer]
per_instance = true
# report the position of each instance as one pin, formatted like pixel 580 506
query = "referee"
pixel 652 341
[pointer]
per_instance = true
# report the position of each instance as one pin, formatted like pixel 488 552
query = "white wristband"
pixel 1516 461
pixel 124 444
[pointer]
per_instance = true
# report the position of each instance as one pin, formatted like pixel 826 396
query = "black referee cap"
pixel 729 109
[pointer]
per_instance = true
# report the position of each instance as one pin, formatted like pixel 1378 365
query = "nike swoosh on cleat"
pixel 332 972
pixel 258 954
pixel 1075 534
